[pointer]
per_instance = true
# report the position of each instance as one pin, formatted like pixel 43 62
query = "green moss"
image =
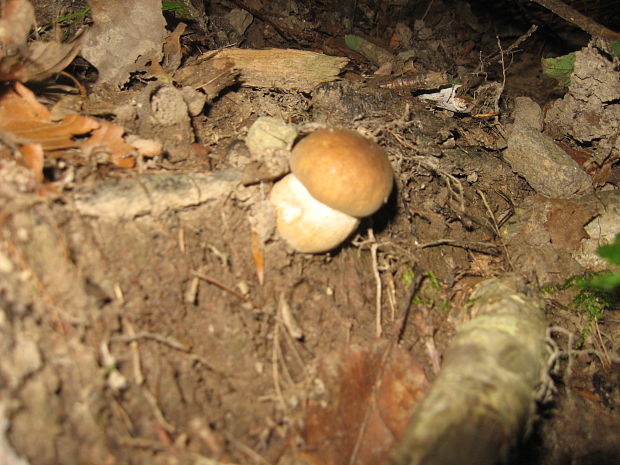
pixel 430 294
pixel 592 305
pixel 598 291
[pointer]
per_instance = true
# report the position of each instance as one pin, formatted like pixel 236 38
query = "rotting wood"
pixel 283 68
pixel 154 194
pixel 484 400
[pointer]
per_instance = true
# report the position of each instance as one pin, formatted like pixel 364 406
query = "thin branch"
pixel 580 20
pixel 221 285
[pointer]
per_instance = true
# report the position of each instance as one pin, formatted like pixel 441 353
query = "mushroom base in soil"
pixel 337 177
pixel 308 225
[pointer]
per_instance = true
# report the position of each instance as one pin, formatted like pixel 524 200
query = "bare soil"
pixel 160 338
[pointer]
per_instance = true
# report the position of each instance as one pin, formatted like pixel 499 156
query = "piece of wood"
pixel 484 400
pixel 283 68
pixel 153 194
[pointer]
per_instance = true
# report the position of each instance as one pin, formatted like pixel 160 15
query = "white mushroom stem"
pixel 308 225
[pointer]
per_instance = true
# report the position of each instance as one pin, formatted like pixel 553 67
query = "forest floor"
pixel 140 325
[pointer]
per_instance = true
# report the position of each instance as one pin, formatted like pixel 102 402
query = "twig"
pixel 156 337
pixel 569 347
pixel 221 285
pixel 511 48
pixel 580 20
pixel 607 360
pixel 284 34
pixel 432 166
pixel 499 94
pixel 375 269
pixel 135 354
pixel 482 247
pixel 159 415
pixel 246 450
pixel 274 365
pixel 172 343
pixel 449 179
pixel 495 224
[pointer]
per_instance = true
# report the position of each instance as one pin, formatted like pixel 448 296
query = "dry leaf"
pixel 566 222
pixel 33 159
pixel 122 33
pixel 20 103
pixel 47 58
pixel 372 394
pixel 258 256
pixel 107 145
pixel 172 49
pixel 17 19
pixel 29 62
pixel 27 121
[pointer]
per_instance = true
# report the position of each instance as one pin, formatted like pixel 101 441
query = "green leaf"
pixel 353 42
pixel 176 7
pixel 615 47
pixel 560 68
pixel 611 252
pixel 607 282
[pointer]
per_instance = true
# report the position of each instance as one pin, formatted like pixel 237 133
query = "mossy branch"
pixel 484 400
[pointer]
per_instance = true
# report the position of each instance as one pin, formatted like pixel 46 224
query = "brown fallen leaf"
pixel 34 61
pixel 172 49
pixel 258 256
pixel 106 144
pixel 15 23
pixel 27 121
pixel 566 223
pixel 372 393
pixel 32 158
pixel 45 59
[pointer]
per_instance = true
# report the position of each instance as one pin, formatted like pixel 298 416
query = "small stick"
pixel 510 49
pixel 247 450
pixel 274 366
pixel 221 285
pixel 156 337
pixel 375 269
pixel 182 239
pixel 159 415
pixel 483 247
pixel 494 224
pixel 135 354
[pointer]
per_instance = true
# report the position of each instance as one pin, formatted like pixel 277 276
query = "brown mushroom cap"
pixel 343 170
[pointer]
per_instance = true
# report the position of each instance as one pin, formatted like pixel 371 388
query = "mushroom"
pixel 337 177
